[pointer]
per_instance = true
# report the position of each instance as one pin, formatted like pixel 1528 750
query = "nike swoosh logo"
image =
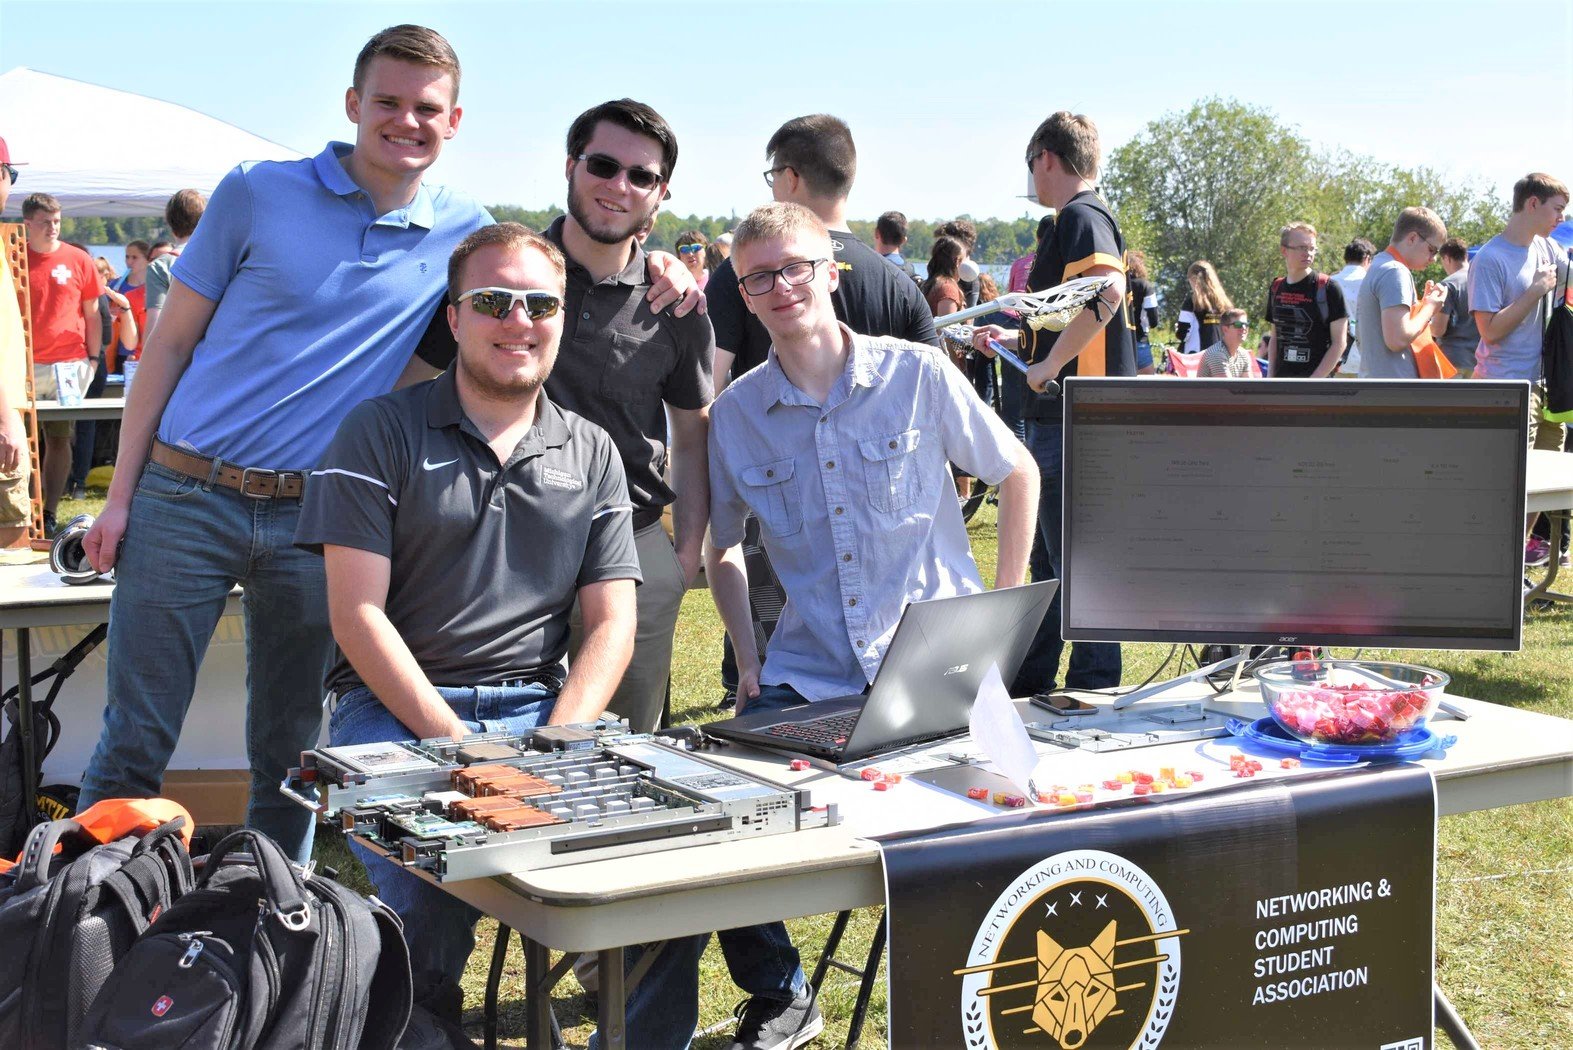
pixel 427 464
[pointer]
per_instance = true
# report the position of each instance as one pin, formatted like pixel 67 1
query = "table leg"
pixel 538 996
pixel 24 712
pixel 493 986
pixel 612 1008
pixel 1448 1020
pixel 1542 590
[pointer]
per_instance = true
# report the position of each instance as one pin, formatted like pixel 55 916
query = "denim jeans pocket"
pixel 159 482
pixel 360 718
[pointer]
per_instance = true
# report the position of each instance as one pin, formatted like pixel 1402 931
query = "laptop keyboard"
pixel 830 731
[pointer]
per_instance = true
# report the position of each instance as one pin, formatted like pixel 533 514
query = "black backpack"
pixel 67 918
pixel 1557 350
pixel 261 955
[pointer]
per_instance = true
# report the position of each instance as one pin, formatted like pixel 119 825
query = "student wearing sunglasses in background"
pixel 691 249
pixel 459 520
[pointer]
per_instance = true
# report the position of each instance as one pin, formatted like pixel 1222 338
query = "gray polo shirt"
pixel 621 364
pixel 486 556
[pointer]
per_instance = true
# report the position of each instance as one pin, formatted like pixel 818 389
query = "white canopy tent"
pixel 174 147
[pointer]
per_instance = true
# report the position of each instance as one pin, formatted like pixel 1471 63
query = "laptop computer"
pixel 924 688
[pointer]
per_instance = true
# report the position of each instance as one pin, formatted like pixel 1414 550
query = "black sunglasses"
pixel 603 167
pixel 10 172
pixel 499 302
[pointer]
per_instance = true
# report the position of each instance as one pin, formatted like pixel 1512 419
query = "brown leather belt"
pixel 251 482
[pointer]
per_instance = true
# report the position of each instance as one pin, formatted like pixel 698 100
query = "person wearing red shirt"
pixel 63 287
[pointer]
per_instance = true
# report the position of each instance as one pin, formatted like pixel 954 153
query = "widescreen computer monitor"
pixel 1295 512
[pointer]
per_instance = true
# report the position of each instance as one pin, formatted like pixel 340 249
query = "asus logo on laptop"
pixel 956 670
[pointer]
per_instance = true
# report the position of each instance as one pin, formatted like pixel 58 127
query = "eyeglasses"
pixel 1236 324
pixel 499 302
pixel 794 274
pixel 10 172
pixel 1308 248
pixel 603 167
pixel 770 176
pixel 1436 249
pixel 690 249
pixel 1032 155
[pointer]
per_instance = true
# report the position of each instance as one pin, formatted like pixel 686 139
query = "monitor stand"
pixel 1157 688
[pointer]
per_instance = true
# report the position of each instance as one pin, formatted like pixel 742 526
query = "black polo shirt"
pixel 486 556
pixel 873 298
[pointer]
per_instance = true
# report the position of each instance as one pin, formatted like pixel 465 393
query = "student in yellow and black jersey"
pixel 1063 158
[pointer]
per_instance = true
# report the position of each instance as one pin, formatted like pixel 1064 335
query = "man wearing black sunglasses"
pixel 624 365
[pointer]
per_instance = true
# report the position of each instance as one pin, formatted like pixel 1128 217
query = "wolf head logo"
pixel 1075 990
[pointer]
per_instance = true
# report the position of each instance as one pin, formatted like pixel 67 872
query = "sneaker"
pixel 77 492
pixel 1537 551
pixel 1566 561
pixel 774 1024
pixel 51 526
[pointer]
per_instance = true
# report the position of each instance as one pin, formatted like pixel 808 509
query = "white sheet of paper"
pixel 998 731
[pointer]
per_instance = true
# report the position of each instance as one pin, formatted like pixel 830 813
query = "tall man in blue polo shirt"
pixel 302 292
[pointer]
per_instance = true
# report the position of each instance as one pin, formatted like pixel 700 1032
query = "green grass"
pixel 1504 895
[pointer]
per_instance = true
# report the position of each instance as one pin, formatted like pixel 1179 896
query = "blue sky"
pixel 941 98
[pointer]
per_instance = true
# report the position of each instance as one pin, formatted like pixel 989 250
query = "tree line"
pixel 1215 182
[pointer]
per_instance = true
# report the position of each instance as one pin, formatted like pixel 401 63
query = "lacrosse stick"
pixel 1053 309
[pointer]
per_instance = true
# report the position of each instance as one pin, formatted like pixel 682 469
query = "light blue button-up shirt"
pixel 320 302
pixel 858 511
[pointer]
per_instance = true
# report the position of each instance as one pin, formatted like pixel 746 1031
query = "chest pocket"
pixel 636 369
pixel 890 468
pixel 771 490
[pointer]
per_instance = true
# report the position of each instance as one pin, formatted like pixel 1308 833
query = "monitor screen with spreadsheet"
pixel 1295 512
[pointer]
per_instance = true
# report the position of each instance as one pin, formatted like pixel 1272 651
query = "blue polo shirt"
pixel 320 302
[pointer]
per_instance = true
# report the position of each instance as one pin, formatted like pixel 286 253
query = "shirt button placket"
pixel 843 533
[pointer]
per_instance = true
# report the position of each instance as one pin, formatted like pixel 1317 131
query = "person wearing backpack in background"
pixel 1308 323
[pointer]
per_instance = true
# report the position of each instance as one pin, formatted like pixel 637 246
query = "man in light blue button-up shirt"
pixel 841 446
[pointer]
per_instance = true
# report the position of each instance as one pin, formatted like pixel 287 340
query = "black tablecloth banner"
pixel 1289 913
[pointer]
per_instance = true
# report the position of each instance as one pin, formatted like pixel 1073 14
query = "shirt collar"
pixel 633 274
pixel 860 371
pixel 329 166
pixel 443 410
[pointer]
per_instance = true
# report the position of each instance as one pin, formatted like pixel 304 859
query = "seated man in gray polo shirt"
pixel 459 520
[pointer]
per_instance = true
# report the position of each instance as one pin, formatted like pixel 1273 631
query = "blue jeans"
pixel 1013 399
pixel 186 545
pixel 663 1009
pixel 1093 665
pixel 439 928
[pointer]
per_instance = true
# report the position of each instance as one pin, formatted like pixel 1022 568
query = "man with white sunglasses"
pixel 459 521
